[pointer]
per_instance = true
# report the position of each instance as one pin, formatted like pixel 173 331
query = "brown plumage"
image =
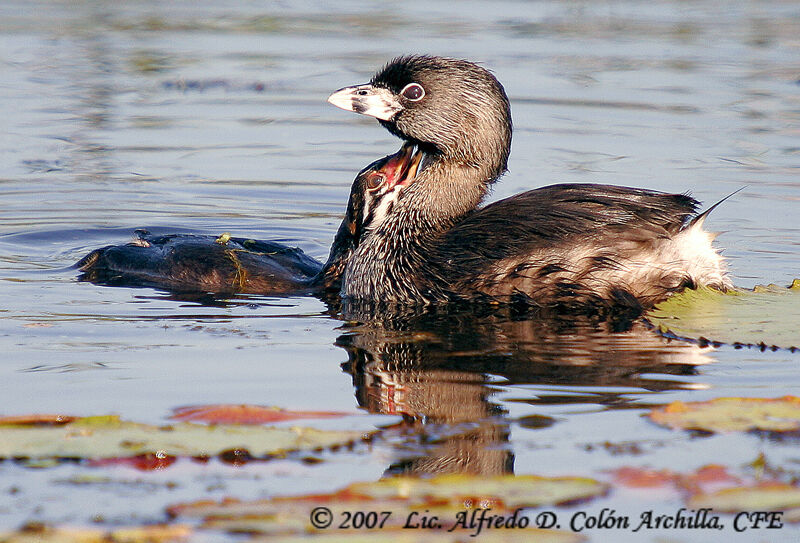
pixel 566 246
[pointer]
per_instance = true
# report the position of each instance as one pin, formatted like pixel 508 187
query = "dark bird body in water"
pixel 186 262
pixel 196 263
pixel 414 233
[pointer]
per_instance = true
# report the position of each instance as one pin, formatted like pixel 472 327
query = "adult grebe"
pixel 562 246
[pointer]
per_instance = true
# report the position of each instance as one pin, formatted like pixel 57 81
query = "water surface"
pixel 210 117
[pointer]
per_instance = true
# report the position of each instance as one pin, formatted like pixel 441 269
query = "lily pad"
pixel 423 536
pixel 391 504
pixel 705 479
pixel 764 317
pixel 110 437
pixel 39 533
pixel 762 497
pixel 509 490
pixel 247 414
pixel 142 462
pixel 732 415
pixel 40 419
pixel 635 477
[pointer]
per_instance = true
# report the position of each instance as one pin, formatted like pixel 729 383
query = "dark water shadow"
pixel 441 370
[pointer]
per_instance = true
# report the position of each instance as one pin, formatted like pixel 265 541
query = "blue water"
pixel 210 117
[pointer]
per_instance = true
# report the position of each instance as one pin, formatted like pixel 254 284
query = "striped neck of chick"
pixel 456 115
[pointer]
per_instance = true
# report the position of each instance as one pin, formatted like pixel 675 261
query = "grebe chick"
pixel 568 246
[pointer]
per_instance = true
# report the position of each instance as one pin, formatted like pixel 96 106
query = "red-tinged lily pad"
pixel 705 479
pixel 36 420
pixel 732 415
pixel 762 497
pixel 247 414
pixel 39 533
pixel 708 479
pixel 633 477
pixel 110 437
pixel 142 462
pixel 765 317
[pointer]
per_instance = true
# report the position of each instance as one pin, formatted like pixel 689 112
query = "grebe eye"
pixel 374 181
pixel 413 92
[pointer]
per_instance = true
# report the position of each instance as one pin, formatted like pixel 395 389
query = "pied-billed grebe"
pixel 196 263
pixel 559 246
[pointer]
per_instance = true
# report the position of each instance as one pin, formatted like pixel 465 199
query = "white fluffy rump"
pixel 693 246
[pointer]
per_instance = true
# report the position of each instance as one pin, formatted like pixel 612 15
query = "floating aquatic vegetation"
pixel 731 415
pixel 436 504
pixel 714 487
pixel 768 317
pixel 105 437
pixel 759 497
pixel 40 533
pixel 44 419
pixel 512 491
pixel 247 414
pixel 223 239
pixel 704 479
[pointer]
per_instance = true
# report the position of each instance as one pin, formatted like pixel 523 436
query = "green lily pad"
pixel 765 317
pixel 110 437
pixel 732 415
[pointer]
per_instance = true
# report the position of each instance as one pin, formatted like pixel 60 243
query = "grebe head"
pixel 453 109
